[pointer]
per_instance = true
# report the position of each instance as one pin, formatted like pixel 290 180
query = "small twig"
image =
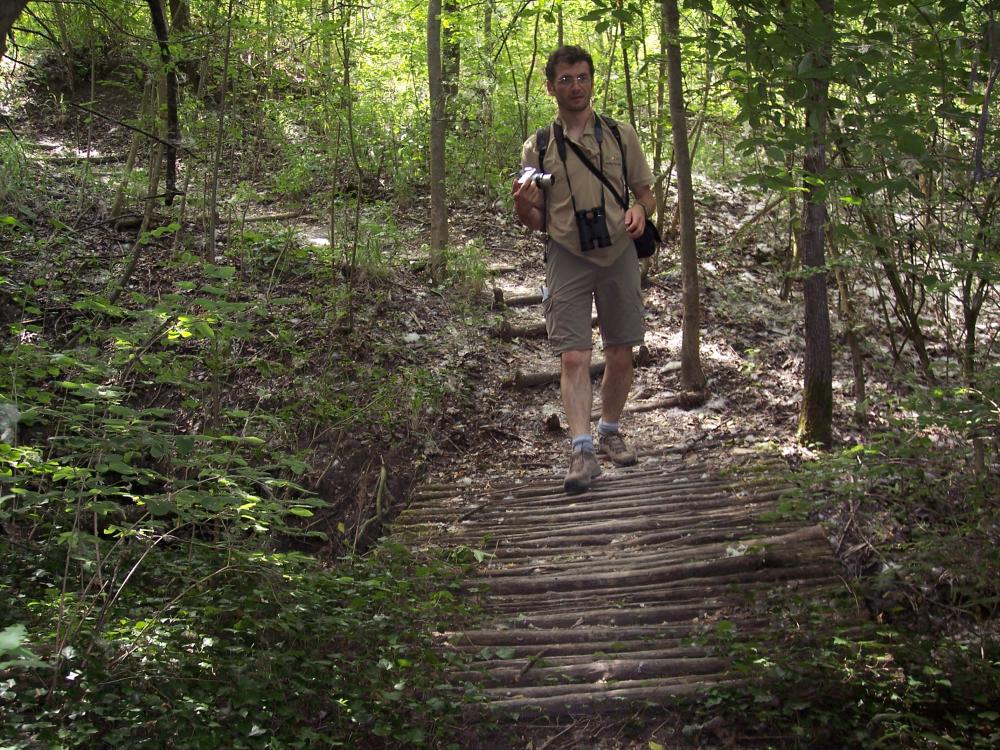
pixel 555 737
pixel 532 660
pixel 133 128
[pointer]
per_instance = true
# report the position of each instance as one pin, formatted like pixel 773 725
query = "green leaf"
pixel 11 638
pixel 218 272
pixel 910 143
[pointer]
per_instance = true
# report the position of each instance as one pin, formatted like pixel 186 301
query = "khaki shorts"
pixel 574 283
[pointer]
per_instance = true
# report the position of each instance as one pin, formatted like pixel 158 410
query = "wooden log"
pixel 535 379
pixel 614 525
pixel 517 637
pixel 611 699
pixel 684 400
pixel 550 691
pixel 544 658
pixel 618 616
pixel 581 650
pixel 500 300
pixel 507 331
pixel 813 577
pixel 664 573
pixel 594 671
pixel 636 559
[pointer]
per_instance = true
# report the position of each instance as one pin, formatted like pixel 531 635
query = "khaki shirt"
pixel 587 189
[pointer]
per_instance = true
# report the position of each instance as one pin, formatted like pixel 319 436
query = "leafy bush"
pixel 152 504
pixel 207 649
pixel 878 690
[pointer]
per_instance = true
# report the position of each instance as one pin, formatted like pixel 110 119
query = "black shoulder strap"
pixel 557 130
pixel 613 126
pixel 542 143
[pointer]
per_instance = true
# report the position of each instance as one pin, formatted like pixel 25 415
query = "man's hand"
pixel 528 203
pixel 635 221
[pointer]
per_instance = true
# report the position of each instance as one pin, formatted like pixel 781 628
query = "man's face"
pixel 572 87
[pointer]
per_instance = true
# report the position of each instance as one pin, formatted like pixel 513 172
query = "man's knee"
pixel 575 360
pixel 618 356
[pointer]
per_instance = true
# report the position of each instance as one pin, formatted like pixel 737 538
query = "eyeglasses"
pixel 583 79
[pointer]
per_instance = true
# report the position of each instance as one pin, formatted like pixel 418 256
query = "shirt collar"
pixel 588 129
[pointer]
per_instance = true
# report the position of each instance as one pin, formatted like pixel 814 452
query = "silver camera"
pixel 542 179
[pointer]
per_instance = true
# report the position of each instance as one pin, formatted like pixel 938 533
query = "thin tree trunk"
pixel 692 375
pixel 816 415
pixel 659 191
pixel 9 11
pixel 156 158
pixel 219 138
pixel 974 290
pixel 144 109
pixel 451 57
pixel 439 208
pixel 173 128
pixel 628 74
pixel 525 111
pixel 852 326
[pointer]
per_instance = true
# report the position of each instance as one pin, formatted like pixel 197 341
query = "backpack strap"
pixel 541 145
pixel 613 127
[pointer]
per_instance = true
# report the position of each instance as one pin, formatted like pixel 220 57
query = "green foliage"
pixel 16 174
pixel 466 270
pixel 149 504
pixel 251 650
pixel 921 522
pixel 878 690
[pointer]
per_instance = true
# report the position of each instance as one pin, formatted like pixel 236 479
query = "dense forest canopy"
pixel 156 518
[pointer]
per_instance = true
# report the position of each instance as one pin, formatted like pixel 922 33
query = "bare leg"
pixel 617 382
pixel 577 396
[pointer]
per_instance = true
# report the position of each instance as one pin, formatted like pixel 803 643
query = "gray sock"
pixel 607 428
pixel 583 443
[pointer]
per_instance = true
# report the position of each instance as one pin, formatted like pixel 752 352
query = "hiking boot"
pixel 614 447
pixel 582 468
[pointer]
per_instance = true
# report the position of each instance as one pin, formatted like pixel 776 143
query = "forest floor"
pixel 482 430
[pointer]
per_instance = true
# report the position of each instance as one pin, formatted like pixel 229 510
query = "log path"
pixel 598 602
pixel 607 601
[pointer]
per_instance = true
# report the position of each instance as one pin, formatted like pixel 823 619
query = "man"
pixel 606 270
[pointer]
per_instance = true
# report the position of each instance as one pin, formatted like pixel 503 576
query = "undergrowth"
pixel 876 688
pixel 178 568
pixel 918 530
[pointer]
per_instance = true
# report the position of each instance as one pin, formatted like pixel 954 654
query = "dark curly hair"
pixel 568 54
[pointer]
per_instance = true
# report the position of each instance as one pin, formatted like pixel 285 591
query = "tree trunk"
pixel 173 128
pixel 9 11
pixel 816 416
pixel 852 326
pixel 439 209
pixel 451 55
pixel 219 140
pixel 692 376
pixel 629 97
pixel 658 188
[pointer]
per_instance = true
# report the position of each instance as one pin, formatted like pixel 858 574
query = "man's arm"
pixel 641 210
pixel 529 203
